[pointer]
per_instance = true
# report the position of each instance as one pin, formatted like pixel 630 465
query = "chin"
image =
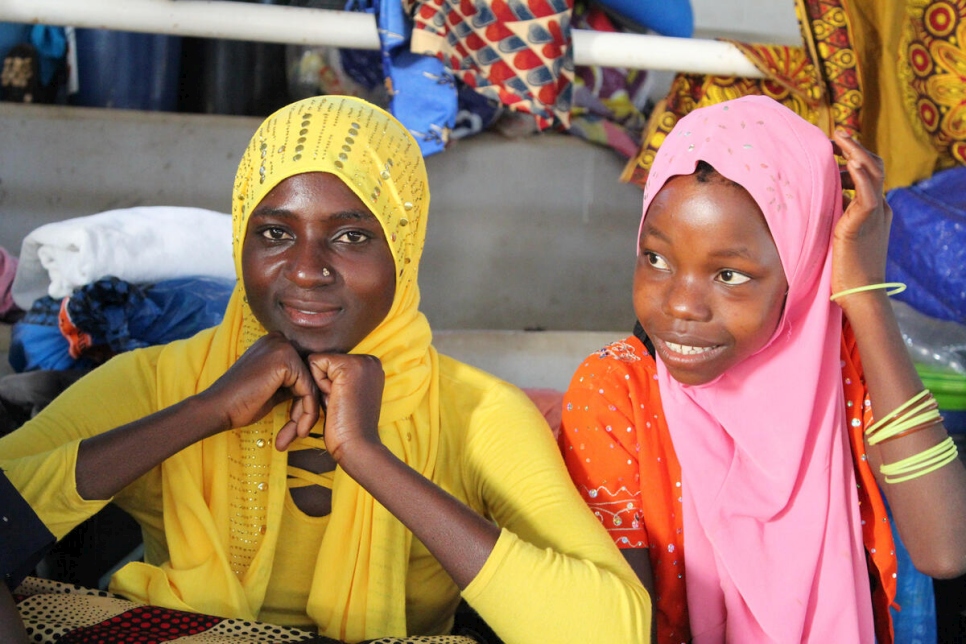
pixel 693 378
pixel 315 346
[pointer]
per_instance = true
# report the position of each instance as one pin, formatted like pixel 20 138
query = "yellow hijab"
pixel 223 496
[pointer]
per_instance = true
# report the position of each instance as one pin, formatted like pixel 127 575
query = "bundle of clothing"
pixel 88 288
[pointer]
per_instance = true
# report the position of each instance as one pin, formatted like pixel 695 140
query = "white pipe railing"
pixel 352 30
pixel 638 51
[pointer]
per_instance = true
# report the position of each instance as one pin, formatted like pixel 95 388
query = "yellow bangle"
pixel 924 462
pixel 898 412
pixel 926 412
pixel 891 289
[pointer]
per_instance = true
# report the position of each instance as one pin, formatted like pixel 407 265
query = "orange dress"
pixel 616 445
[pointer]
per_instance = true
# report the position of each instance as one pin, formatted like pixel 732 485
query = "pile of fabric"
pixel 88 288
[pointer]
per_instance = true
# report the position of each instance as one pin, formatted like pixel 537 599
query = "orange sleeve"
pixel 598 440
pixel 876 528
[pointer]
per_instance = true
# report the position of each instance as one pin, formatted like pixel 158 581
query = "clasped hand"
pixel 347 387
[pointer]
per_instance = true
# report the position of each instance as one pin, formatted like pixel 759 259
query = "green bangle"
pixel 891 289
pixel 922 463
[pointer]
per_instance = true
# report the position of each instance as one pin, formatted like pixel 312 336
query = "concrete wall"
pixel 535 233
pixel 761 21
pixel 526 233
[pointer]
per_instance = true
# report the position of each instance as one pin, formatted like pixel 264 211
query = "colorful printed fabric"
pixel 823 89
pixel 69 614
pixel 608 102
pixel 514 51
pixel 422 94
pixel 618 449
pixel 915 55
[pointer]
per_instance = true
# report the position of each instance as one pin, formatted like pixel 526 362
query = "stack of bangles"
pixel 916 414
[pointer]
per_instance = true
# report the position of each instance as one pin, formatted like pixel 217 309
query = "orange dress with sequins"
pixel 616 445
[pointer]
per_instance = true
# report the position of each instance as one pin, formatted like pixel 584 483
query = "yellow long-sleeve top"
pixel 552 571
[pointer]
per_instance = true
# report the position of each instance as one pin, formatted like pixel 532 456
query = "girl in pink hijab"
pixel 738 465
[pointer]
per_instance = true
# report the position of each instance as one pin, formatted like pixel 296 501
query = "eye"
pixel 656 261
pixel 732 278
pixel 353 237
pixel 274 233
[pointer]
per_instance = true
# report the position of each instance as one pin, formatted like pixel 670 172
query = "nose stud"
pixel 325 272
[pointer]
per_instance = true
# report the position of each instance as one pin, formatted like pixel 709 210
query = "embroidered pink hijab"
pixel 773 538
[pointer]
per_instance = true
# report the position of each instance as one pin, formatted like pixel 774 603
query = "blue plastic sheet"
pixel 927 245
pixel 127 70
pixel 37 343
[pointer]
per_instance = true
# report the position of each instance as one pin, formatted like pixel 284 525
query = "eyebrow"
pixel 285 213
pixel 738 251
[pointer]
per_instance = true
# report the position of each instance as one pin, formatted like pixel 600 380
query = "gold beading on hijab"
pixel 358 142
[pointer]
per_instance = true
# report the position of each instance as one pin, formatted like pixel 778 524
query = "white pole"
pixel 636 51
pixel 203 19
pixel 354 30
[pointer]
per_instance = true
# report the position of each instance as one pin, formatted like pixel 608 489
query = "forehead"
pixel 313 193
pixel 363 145
pixel 714 203
pixel 714 199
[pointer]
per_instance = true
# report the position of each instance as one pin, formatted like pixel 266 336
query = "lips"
pixel 311 314
pixel 688 354
pixel 687 350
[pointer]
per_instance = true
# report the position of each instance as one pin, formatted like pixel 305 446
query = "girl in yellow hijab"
pixel 312 461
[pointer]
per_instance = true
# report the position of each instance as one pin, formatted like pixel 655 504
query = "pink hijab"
pixel 772 531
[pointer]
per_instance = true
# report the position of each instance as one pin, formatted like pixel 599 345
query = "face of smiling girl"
pixel 316 264
pixel 709 287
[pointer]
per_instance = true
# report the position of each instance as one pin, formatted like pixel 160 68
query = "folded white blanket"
pixel 139 245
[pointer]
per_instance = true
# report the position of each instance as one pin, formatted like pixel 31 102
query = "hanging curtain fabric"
pixel 889 72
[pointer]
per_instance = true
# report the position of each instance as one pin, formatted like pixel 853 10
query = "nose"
pixel 309 265
pixel 686 298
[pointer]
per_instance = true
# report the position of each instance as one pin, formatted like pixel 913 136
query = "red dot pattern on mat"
pixel 143 625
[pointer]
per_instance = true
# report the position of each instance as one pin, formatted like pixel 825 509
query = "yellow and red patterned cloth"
pixel 516 52
pixel 893 73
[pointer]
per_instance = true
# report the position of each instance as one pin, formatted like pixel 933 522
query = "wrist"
pixel 867 286
pixel 205 414
pixel 359 455
pixel 865 303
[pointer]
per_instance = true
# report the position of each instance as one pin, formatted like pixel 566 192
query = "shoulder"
pixel 466 385
pixel 619 366
pixel 621 356
pixel 485 410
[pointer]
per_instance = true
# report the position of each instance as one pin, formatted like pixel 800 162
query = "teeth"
pixel 686 350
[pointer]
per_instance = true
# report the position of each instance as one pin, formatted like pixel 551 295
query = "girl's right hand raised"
pixel 861 238
pixel 270 372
